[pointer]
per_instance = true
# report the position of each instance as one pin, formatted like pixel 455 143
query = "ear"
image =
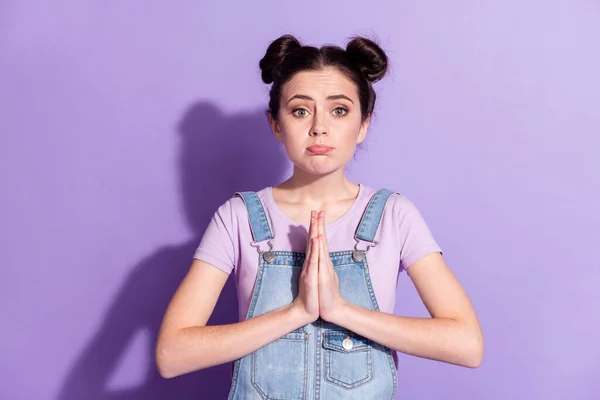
pixel 274 124
pixel 364 126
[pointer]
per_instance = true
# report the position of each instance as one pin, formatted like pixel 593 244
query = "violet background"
pixel 123 125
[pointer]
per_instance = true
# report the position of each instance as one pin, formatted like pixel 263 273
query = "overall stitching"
pixel 320 335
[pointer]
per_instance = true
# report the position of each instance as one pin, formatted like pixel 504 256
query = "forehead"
pixel 325 81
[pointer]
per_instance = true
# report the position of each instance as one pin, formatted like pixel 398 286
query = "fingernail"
pixel 312 214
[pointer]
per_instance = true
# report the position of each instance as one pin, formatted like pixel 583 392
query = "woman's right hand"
pixel 307 301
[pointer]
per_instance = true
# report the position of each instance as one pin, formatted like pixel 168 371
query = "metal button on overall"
pixel 358 255
pixel 347 343
pixel 268 256
pixel 320 360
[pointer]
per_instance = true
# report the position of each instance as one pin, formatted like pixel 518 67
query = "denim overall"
pixel 319 360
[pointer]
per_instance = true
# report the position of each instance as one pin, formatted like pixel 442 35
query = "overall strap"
pixel 369 223
pixel 259 224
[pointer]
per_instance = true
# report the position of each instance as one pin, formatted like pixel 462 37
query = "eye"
pixel 340 111
pixel 300 112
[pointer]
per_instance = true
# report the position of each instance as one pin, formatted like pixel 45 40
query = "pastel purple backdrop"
pixel 123 125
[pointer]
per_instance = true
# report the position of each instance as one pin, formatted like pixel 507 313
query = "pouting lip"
pixel 319 149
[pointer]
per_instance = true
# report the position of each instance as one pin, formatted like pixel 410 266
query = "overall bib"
pixel 320 360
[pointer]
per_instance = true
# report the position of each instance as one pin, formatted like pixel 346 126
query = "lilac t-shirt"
pixel 403 237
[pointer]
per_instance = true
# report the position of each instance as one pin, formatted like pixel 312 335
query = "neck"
pixel 308 188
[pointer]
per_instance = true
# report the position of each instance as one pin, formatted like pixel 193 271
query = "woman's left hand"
pixel 330 299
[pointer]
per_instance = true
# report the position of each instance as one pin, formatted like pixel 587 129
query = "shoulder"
pixel 235 207
pixel 397 203
pixel 402 212
pixel 401 204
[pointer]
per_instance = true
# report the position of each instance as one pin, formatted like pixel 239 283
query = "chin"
pixel 325 168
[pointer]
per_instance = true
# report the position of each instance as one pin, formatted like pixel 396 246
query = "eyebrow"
pixel 333 97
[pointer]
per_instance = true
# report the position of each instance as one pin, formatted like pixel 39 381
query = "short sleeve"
pixel 217 246
pixel 415 235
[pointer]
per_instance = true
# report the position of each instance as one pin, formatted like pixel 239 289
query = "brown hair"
pixel 363 62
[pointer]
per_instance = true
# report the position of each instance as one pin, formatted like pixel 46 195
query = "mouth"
pixel 319 149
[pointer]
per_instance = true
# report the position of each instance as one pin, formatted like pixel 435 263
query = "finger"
pixel 323 256
pixel 309 249
pixel 313 228
pixel 322 230
pixel 313 260
pixel 321 222
pixel 326 260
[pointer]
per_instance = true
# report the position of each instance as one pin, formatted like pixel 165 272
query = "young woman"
pixel 317 257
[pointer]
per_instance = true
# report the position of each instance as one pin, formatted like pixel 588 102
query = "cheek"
pixel 294 132
pixel 351 129
pixel 342 132
pixel 293 140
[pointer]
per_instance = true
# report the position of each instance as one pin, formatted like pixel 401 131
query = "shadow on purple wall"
pixel 219 155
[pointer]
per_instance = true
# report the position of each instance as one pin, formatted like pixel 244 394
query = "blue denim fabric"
pixel 311 361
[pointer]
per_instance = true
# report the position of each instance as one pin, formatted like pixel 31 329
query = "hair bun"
pixel 368 57
pixel 276 53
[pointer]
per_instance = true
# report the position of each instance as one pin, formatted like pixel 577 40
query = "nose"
pixel 318 127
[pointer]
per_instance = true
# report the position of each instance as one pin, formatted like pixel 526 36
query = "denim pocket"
pixel 347 368
pixel 279 369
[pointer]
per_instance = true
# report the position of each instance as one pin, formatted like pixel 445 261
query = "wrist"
pixel 298 315
pixel 337 315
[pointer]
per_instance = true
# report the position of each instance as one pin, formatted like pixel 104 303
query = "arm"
pixel 452 335
pixel 186 344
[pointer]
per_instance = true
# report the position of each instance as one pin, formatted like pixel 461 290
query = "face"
pixel 319 120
